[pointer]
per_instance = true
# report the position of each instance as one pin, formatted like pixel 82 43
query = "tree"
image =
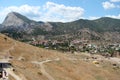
pixel 111 52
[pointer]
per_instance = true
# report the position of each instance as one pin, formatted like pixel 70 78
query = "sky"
pixel 61 10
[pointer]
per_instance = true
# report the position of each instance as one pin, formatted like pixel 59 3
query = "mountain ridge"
pixel 49 30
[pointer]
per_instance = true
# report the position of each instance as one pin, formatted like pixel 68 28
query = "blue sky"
pixel 61 10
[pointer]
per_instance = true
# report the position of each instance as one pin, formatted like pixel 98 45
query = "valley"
pixel 78 50
pixel 99 36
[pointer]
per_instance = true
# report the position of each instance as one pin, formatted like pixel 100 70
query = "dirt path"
pixel 43 69
pixel 10 72
pixel 115 60
pixel 6 59
pixel 7 55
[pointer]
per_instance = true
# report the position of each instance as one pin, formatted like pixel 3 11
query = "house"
pixel 3 72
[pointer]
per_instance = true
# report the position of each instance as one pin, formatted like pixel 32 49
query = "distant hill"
pixel 25 28
pixel 99 29
pixel 98 25
pixel 108 24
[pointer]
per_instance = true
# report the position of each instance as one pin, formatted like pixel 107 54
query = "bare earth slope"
pixel 32 63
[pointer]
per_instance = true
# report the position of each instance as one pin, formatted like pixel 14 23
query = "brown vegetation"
pixel 64 69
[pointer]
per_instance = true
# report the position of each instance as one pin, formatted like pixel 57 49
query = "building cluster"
pixel 80 46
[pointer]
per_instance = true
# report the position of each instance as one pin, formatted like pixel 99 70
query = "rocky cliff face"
pixel 16 23
pixel 13 20
pixel 16 20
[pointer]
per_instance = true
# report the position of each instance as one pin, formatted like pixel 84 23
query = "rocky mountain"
pixel 15 19
pixel 18 25
pixel 99 30
pixel 0 26
pixel 18 21
pixel 28 62
pixel 98 25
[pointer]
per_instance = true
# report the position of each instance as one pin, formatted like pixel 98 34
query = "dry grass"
pixel 64 69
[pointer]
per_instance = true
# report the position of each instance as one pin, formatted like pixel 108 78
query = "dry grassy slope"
pixel 64 69
pixel 22 50
pixel 80 70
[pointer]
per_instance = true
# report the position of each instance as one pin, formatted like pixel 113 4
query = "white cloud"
pixel 48 12
pixel 59 12
pixel 115 0
pixel 29 11
pixel 108 5
pixel 114 16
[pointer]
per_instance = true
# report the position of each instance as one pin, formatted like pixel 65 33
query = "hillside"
pixel 21 28
pixel 32 63
pixel 98 25
pixel 103 26
pixel 108 24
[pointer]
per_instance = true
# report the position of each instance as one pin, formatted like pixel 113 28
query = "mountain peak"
pixel 12 13
pixel 12 20
pixel 15 19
